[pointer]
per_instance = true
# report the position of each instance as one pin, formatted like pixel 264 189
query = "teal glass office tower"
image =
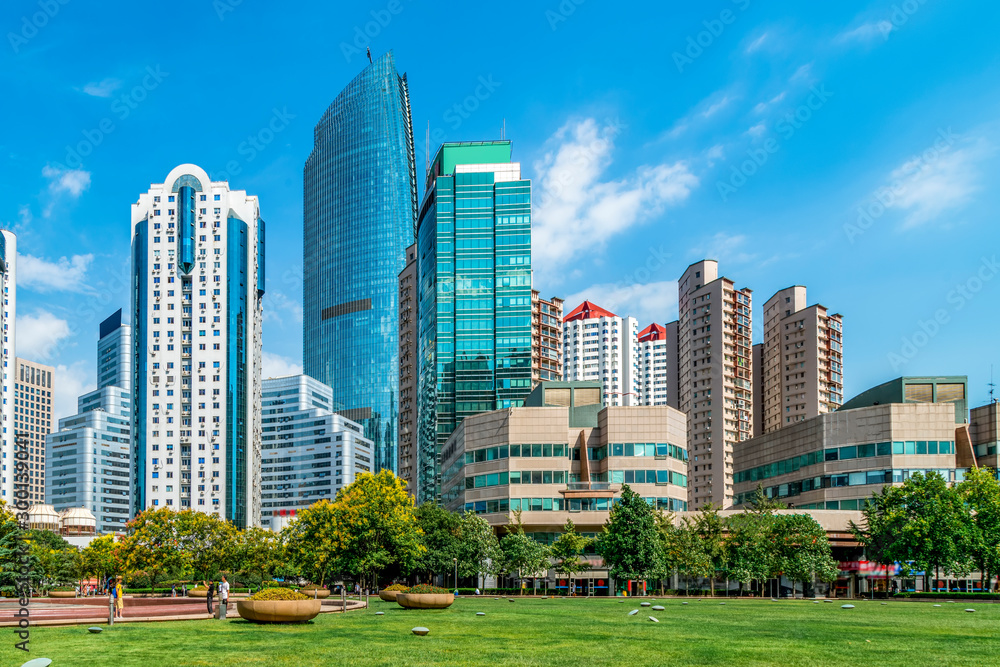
pixel 360 202
pixel 474 295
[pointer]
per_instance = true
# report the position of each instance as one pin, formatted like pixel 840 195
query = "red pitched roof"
pixel 587 311
pixel 653 332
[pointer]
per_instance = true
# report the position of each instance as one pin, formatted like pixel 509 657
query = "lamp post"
pixel 456 573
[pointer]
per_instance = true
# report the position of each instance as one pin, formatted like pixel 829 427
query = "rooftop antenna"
pixel 427 150
pixel 503 130
pixel 991 385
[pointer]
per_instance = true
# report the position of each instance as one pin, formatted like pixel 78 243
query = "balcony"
pixel 588 490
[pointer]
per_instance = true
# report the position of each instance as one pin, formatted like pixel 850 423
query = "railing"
pixel 588 486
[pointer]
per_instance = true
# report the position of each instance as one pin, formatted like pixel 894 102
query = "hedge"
pixel 942 595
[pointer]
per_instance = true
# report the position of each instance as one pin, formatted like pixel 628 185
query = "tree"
pixel 981 494
pixel 688 552
pixel 151 544
pixel 375 526
pixel 208 541
pixel 630 543
pixel 710 529
pixel 310 541
pixel 567 550
pixel 801 549
pixel 57 558
pixel 761 503
pixel 478 547
pixel 14 554
pixel 441 530
pixel 520 554
pixel 882 519
pixel 99 557
pixel 747 553
pixel 258 553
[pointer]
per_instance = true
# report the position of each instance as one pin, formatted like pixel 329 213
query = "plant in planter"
pixel 389 593
pixel 278 605
pixel 62 592
pixel 425 596
pixel 314 591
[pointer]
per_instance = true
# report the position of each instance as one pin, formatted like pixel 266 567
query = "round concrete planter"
pixel 62 594
pixel 425 600
pixel 198 593
pixel 388 596
pixel 278 611
pixel 320 593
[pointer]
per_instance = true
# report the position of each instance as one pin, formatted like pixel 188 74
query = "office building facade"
pixel 546 339
pixel 715 383
pixel 89 459
pixel 474 296
pixel 360 202
pixel 838 459
pixel 406 464
pixel 801 369
pixel 599 346
pixel 33 419
pixel 8 310
pixel 198 287
pixel 308 452
pixel 114 353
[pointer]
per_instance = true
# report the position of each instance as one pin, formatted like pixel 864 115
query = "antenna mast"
pixel 427 150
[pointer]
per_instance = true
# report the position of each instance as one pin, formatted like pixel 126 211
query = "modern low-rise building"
pixel 89 459
pixel 838 459
pixel 923 389
pixel 308 451
pixel 33 419
pixel 984 425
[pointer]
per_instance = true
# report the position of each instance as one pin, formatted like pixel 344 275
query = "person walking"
pixel 224 592
pixel 210 591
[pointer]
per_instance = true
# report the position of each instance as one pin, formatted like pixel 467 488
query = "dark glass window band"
pixel 347 308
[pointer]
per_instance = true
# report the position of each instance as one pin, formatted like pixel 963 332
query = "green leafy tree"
pixel 801 549
pixel 711 531
pixel 57 558
pixel 375 526
pixel 568 549
pixel 310 541
pixel 152 545
pixel 748 554
pixel 761 503
pixel 99 557
pixel 688 552
pixel 441 534
pixel 208 542
pixel 478 546
pixel 259 553
pixel 981 494
pixel 882 518
pixel 14 554
pixel 522 555
pixel 630 542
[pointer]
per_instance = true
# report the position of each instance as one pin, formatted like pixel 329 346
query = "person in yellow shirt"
pixel 119 598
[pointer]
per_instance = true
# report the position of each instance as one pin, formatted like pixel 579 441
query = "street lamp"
pixel 456 573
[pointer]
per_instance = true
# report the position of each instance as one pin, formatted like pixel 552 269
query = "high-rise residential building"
pixel 546 338
pixel 599 346
pixel 198 287
pixel 715 378
pixel 406 465
pixel 8 309
pixel 89 459
pixel 33 419
pixel 474 295
pixel 653 351
pixel 673 365
pixel 308 452
pixel 360 204
pixel 801 371
pixel 114 353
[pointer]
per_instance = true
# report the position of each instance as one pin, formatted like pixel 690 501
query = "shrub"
pixel 396 587
pixel 63 589
pixel 278 594
pixel 271 583
pixel 428 589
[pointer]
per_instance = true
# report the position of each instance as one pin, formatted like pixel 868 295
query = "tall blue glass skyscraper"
pixel 474 295
pixel 360 201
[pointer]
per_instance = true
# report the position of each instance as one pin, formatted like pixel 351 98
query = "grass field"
pixel 594 631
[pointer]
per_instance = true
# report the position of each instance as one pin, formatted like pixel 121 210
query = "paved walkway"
pixel 44 612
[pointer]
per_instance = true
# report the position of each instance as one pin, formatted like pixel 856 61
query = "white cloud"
pixel 275 365
pixel 69 383
pixel 757 130
pixel 716 107
pixel 757 43
pixel 280 308
pixel 726 248
pixel 39 334
pixel 714 154
pixel 72 181
pixel 103 88
pixel 763 106
pixel 927 185
pixel 649 302
pixel 63 275
pixel 803 74
pixel 866 33
pixel 577 212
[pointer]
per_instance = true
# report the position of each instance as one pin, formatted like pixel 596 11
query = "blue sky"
pixel 844 146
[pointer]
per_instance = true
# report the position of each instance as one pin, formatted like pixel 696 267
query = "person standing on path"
pixel 119 599
pixel 210 591
pixel 224 592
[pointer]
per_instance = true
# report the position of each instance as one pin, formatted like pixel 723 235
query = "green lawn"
pixel 554 632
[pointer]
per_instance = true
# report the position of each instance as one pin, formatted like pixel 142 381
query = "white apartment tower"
pixel 801 361
pixel 715 380
pixel 8 268
pixel 653 362
pixel 198 285
pixel 601 347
